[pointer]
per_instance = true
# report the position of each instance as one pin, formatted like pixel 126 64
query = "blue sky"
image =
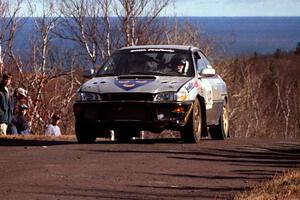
pixel 235 8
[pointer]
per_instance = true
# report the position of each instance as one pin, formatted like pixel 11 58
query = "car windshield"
pixel 158 62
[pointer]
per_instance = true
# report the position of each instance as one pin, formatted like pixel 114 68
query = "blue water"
pixel 244 35
pixel 234 35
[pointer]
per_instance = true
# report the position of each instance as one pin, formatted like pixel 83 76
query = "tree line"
pixel 264 94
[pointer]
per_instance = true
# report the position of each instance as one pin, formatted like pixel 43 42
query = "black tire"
pixel 192 131
pixel 221 131
pixel 85 133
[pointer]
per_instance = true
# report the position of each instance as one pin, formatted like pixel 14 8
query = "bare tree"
pixel 87 23
pixel 105 5
pixel 9 25
pixel 136 18
pixel 3 13
pixel 284 103
pixel 41 47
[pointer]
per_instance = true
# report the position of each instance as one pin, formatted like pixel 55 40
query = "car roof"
pixel 176 47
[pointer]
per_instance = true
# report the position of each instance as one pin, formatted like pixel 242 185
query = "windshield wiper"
pixel 135 73
pixel 100 75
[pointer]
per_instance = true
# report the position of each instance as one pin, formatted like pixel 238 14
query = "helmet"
pixel 178 60
pixel 179 64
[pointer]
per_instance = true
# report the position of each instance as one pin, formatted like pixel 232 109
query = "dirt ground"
pixel 142 169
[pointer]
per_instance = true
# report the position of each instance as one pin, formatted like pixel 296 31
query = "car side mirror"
pixel 208 72
pixel 89 73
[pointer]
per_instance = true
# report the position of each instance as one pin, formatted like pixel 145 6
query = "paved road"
pixel 149 169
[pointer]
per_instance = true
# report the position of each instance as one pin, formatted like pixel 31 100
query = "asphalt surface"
pixel 143 169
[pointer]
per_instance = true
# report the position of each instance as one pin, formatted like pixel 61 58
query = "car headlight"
pixel 182 96
pixel 165 96
pixel 88 96
pixel 171 96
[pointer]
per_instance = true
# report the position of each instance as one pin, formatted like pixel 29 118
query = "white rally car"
pixel 153 87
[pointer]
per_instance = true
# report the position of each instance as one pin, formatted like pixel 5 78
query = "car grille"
pixel 126 112
pixel 127 97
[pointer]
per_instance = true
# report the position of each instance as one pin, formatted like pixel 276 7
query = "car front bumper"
pixel 152 116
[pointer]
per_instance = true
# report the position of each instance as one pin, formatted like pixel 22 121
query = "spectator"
pixel 19 97
pixel 19 123
pixel 5 104
pixel 53 128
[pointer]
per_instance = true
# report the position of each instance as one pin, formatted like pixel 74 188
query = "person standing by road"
pixel 5 104
pixel 53 128
pixel 19 97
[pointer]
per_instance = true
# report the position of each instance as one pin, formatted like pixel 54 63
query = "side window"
pixel 108 67
pixel 199 62
pixel 205 61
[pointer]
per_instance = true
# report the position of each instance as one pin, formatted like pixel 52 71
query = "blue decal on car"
pixel 130 84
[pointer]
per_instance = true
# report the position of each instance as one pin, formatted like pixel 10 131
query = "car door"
pixel 214 89
pixel 218 85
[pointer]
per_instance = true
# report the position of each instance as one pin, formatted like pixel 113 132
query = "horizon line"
pixel 194 16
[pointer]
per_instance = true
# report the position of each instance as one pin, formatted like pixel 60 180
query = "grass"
pixel 282 187
pixel 40 137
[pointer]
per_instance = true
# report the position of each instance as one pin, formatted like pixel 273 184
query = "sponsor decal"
pixel 189 86
pixel 154 50
pixel 130 84
pixel 197 84
pixel 217 81
pixel 208 93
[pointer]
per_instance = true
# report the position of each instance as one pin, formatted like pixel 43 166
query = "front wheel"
pixel 193 129
pixel 221 131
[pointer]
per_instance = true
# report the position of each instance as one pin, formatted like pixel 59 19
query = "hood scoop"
pixel 136 77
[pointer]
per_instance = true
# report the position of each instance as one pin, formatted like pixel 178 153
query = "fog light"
pixel 179 110
pixel 160 116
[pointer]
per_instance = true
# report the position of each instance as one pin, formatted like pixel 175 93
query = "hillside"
pixel 264 94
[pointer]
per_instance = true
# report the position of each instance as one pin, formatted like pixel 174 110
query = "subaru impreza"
pixel 153 88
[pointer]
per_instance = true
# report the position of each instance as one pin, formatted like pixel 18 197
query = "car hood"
pixel 134 84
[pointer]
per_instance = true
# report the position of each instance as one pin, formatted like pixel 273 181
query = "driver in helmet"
pixel 180 65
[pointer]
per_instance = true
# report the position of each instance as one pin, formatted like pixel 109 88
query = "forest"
pixel 263 89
